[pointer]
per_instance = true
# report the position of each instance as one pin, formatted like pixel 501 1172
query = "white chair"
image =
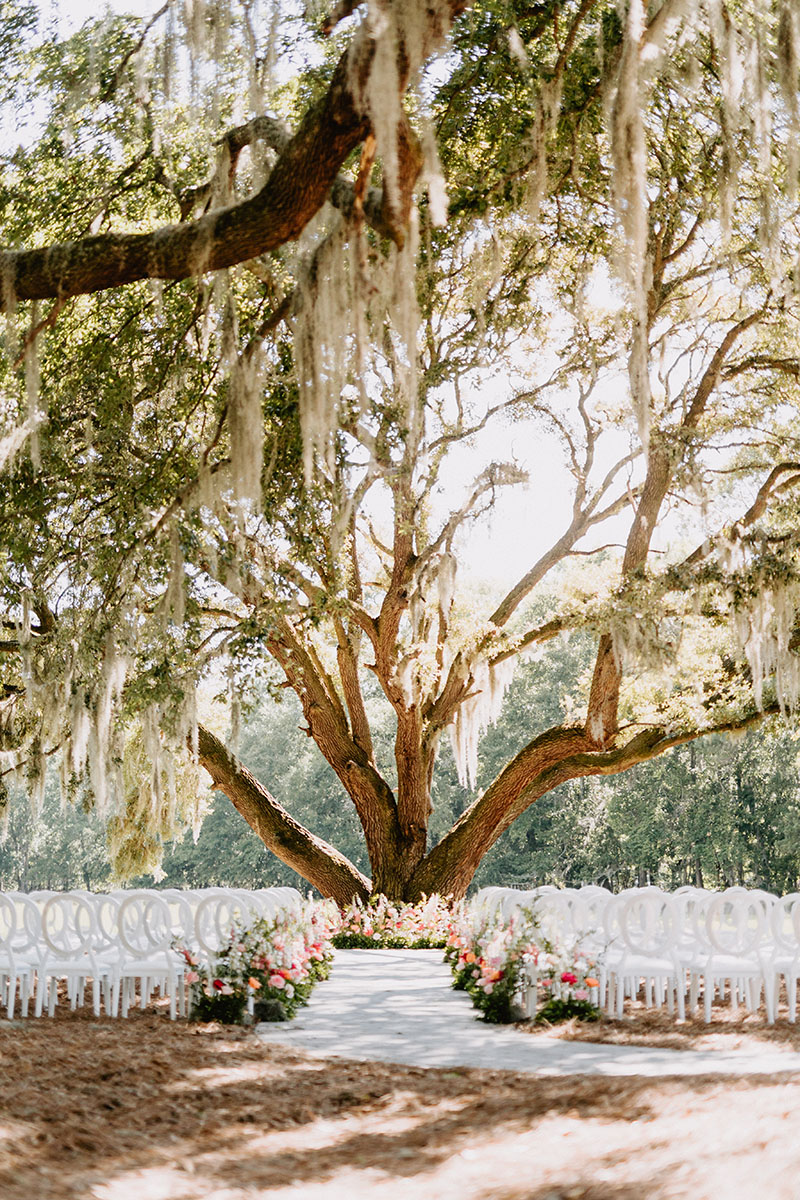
pixel 594 902
pixel 20 925
pixel 181 910
pixel 69 935
pixel 147 954
pixel 731 946
pixel 290 900
pixel 215 917
pixel 646 951
pixel 560 914
pixel 690 905
pixel 785 960
pixel 511 901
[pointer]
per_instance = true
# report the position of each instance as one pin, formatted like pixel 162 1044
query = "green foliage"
pixel 228 1010
pixel 360 941
pixel 500 1006
pixel 61 848
pixel 123 531
pixel 556 1011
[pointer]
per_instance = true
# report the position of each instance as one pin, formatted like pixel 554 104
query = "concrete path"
pixel 398 1006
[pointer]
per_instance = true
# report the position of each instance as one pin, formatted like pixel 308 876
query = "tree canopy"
pixel 271 279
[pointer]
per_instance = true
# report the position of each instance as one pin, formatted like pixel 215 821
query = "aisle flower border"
pixel 510 967
pixel 268 966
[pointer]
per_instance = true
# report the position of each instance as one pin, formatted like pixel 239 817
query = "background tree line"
pixel 716 812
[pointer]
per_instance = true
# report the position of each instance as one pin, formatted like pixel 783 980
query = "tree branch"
pixel 317 861
pixel 297 186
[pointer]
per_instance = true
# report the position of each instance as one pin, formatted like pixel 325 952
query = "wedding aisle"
pixel 398 1006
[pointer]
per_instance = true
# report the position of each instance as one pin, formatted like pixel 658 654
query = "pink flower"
pixel 568 977
pixel 276 981
pixel 581 994
pixel 191 977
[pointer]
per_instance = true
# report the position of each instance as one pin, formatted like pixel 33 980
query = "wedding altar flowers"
pixel 384 924
pixel 269 965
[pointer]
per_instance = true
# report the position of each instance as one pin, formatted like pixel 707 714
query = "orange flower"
pixel 254 983
pixel 590 982
pixel 470 958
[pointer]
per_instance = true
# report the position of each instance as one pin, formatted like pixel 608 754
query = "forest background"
pixel 717 812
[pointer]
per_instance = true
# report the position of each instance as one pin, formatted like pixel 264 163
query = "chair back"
pixel 8 926
pixel 27 937
pixel 734 923
pixel 68 925
pixel 785 924
pixel 215 917
pixel 145 924
pixel 647 923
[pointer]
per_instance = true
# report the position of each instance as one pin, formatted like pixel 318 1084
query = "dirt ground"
pixel 145 1109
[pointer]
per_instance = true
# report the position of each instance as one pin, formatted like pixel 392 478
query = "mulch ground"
pixel 145 1109
pixel 729 1030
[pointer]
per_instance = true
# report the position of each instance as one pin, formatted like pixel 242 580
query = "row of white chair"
pixel 117 939
pixel 672 943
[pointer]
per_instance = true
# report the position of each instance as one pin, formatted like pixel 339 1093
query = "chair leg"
pixel 39 1000
pixel 12 996
pixel 25 995
pixel 754 989
pixel 609 994
pixel 770 996
pixel 708 988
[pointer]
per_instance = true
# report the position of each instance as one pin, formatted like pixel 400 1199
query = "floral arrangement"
pixel 497 961
pixel 384 924
pixel 269 967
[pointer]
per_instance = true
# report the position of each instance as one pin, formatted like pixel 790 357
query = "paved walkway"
pixel 398 1006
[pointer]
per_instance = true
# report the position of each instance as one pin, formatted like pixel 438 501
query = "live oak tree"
pixel 233 391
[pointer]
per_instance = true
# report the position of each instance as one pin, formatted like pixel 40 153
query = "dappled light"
pixel 108 1110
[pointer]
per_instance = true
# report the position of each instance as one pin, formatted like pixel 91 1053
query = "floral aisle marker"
pixel 269 967
pixel 383 924
pixel 508 967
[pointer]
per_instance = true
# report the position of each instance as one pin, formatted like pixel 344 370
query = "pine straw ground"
pixel 148 1110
